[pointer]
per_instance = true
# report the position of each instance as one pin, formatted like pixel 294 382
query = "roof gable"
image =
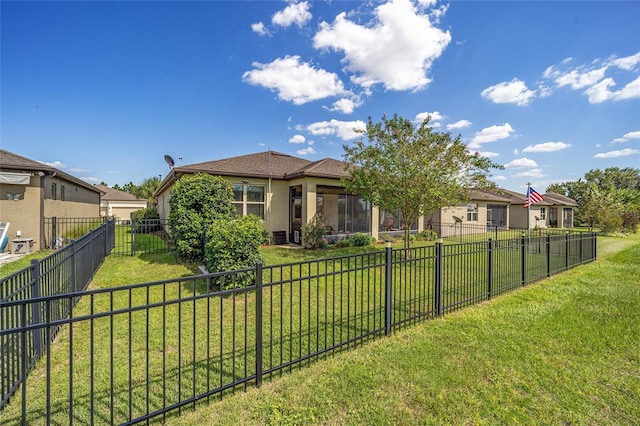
pixel 111 194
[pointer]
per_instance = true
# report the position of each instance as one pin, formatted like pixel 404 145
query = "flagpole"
pixel 528 209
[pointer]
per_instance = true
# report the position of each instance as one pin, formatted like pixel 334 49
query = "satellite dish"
pixel 537 218
pixel 457 219
pixel 169 161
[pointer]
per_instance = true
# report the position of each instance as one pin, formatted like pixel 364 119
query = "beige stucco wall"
pixel 24 214
pixel 518 217
pixel 121 209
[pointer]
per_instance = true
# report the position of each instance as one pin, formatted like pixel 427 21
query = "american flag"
pixel 532 197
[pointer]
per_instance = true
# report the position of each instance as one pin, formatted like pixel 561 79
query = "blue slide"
pixel 4 235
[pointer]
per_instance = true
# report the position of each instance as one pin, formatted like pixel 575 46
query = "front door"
pixel 295 213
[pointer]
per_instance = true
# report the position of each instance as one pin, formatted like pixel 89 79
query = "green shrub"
pixel 426 235
pixel 196 201
pixel 235 244
pixel 360 240
pixel 148 213
pixel 313 233
pixel 146 220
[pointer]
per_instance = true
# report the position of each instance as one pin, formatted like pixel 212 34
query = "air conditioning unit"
pixel 296 237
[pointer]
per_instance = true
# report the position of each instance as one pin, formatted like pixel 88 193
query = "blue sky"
pixel 103 90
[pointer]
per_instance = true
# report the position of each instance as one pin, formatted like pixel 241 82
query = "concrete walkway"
pixel 7 257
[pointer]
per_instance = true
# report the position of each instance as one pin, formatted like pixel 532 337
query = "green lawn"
pixel 504 361
pixel 563 351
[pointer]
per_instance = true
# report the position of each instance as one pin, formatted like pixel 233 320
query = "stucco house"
pixel 119 204
pixel 287 191
pixel 31 191
pixel 555 211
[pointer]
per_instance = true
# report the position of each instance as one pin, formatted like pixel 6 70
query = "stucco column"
pixel 375 225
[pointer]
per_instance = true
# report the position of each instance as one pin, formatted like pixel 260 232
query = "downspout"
pixel 41 239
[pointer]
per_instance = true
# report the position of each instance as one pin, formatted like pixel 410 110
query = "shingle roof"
pixel 14 162
pixel 263 164
pixel 486 195
pixel 559 199
pixel 111 194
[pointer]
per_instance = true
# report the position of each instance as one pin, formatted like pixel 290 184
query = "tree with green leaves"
pixel 196 201
pixel 413 170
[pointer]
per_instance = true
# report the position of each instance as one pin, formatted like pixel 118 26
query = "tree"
pixel 196 201
pixel 146 189
pixel 413 170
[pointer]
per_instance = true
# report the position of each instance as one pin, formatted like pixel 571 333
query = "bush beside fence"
pixel 145 351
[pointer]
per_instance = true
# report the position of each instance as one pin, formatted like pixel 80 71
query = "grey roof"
pixel 111 194
pixel 487 195
pixel 17 163
pixel 559 199
pixel 263 164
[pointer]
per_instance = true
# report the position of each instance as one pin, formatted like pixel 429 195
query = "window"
pixel 54 191
pixel 249 199
pixel 472 212
pixel 543 213
pixel 62 192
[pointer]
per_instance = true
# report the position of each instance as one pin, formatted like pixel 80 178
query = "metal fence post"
pixel 489 267
pixel 54 231
pixel 548 244
pixel 258 324
pixel 580 257
pixel 566 250
pixel 37 337
pixel 523 262
pixel 438 284
pixel 387 288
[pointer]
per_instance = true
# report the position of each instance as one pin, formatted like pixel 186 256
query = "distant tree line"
pixel 608 200
pixel 144 190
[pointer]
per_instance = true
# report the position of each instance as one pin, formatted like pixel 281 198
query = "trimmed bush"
pixel 360 240
pixel 313 233
pixel 235 244
pixel 196 202
pixel 146 220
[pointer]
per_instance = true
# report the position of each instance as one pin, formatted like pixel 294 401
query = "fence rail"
pixel 132 236
pixel 147 351
pixel 66 271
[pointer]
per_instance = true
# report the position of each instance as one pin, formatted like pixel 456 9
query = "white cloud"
pixel 600 92
pixel 627 137
pixel 343 129
pixel 491 134
pixel 619 153
pixel 76 170
pixel 500 178
pixel 297 139
pixel 306 151
pixel 91 179
pixel 579 78
pixel 460 124
pixel 295 13
pixel 54 164
pixel 259 28
pixel 512 92
pixel 489 154
pixel 520 163
pixel 435 117
pixel 535 173
pixel 345 105
pixel 295 81
pixel 627 63
pixel 547 147
pixel 397 50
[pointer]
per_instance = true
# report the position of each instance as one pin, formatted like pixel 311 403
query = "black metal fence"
pixel 65 271
pixel 132 236
pixel 147 351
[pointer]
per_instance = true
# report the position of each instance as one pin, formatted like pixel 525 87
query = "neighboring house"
pixel 555 211
pixel 119 204
pixel 561 210
pixel 485 210
pixel 287 191
pixel 31 191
